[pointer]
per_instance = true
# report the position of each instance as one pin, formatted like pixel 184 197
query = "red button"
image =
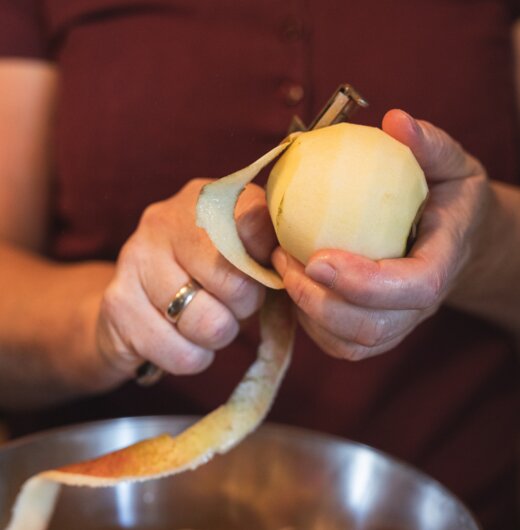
pixel 293 93
pixel 292 30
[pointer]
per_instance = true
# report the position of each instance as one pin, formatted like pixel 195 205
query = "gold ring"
pixel 181 300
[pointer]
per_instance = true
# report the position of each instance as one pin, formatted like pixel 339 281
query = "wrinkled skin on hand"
pixel 354 307
pixel 351 306
pixel 163 254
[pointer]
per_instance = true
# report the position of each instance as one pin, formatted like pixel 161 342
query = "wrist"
pixel 94 371
pixel 85 368
pixel 487 285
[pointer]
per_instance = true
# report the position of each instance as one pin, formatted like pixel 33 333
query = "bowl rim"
pixel 266 427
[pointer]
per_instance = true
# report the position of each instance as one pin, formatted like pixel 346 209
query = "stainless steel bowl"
pixel 280 478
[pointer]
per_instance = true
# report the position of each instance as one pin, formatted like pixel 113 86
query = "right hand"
pixel 166 251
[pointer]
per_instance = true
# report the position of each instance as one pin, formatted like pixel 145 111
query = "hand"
pixel 166 251
pixel 354 307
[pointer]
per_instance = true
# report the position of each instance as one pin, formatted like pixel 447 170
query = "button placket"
pixel 292 37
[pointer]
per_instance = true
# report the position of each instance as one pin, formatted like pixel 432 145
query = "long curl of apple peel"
pixel 166 455
pixel 215 213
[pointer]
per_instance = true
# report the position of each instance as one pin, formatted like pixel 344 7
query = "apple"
pixel 348 187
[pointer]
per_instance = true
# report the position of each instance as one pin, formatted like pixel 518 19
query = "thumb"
pixel 254 224
pixel 439 155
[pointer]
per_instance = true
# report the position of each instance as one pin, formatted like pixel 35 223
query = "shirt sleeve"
pixel 22 30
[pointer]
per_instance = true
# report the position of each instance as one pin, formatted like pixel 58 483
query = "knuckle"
pixel 188 361
pixel 127 251
pixel 357 353
pixel 352 352
pixel 240 293
pixel 132 252
pixel 433 288
pixel 333 345
pixel 153 215
pixel 219 329
pixel 234 287
pixel 341 349
pixel 179 358
pixel 302 297
pixel 114 299
pixel 372 331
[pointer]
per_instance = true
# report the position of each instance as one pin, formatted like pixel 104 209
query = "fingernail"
pixel 280 261
pixel 413 122
pixel 321 272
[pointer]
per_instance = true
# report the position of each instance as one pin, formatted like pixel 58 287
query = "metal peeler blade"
pixel 340 107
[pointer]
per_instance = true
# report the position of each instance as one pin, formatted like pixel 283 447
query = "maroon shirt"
pixel 157 92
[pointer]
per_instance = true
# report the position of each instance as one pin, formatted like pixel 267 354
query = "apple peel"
pixel 215 213
pixel 165 455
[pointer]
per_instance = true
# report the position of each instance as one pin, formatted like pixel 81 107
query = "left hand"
pixel 354 307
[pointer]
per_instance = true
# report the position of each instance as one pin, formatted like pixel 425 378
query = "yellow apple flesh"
pixel 348 187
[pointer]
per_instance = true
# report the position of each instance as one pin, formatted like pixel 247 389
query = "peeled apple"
pixel 348 187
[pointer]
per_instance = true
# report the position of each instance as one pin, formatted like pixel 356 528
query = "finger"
pixel 205 321
pixel 162 226
pixel 138 332
pixel 234 289
pixel 413 283
pixel 426 274
pixel 440 156
pixel 364 326
pixel 451 214
pixel 254 224
pixel 343 349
